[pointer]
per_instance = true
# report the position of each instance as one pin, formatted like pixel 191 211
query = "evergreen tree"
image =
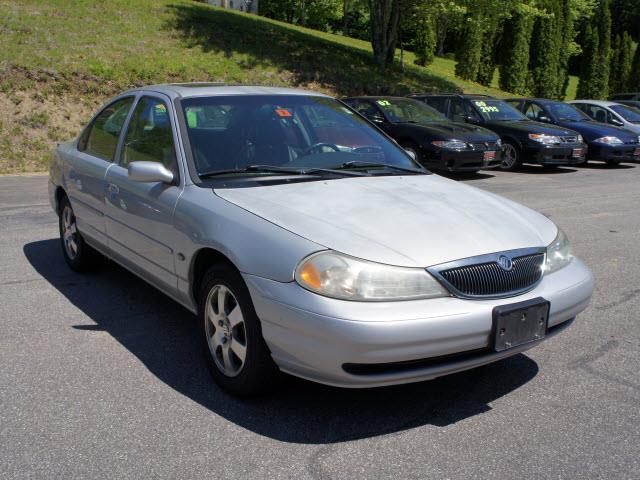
pixel 603 17
pixel 424 43
pixel 514 72
pixel 586 86
pixel 633 83
pixel 545 53
pixel 487 65
pixel 625 57
pixel 469 52
pixel 567 47
pixel 614 65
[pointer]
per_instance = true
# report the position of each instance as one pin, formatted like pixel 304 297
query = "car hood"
pixel 593 130
pixel 414 220
pixel 449 130
pixel 528 126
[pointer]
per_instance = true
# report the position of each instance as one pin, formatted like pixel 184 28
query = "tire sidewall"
pixel 259 369
pixel 518 154
pixel 81 261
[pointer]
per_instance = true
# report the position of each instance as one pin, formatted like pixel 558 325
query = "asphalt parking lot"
pixel 100 376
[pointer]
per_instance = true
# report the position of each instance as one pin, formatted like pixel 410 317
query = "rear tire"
pixel 77 253
pixel 235 351
pixel 511 156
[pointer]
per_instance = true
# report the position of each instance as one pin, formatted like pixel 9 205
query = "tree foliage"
pixel 514 72
pixel 633 83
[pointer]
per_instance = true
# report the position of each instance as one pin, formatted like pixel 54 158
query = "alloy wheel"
pixel 509 156
pixel 69 232
pixel 225 330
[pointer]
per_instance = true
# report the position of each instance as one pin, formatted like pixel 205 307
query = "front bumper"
pixel 319 338
pixel 555 154
pixel 614 153
pixel 463 160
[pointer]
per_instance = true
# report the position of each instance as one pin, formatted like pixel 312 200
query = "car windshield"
pixel 497 110
pixel 406 110
pixel 630 114
pixel 253 135
pixel 568 113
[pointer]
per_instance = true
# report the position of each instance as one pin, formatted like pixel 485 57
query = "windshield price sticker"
pixel 484 108
pixel 384 103
pixel 281 112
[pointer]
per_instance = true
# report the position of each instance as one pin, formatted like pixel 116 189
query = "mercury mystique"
pixel 306 240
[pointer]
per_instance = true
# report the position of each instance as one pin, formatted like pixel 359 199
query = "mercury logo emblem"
pixel 505 263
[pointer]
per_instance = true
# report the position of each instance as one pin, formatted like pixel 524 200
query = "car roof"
pixel 203 89
pixel 601 103
pixel 532 99
pixel 461 95
pixel 375 97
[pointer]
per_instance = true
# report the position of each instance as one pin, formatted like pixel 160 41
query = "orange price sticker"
pixel 283 113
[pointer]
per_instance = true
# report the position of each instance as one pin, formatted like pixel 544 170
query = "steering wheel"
pixel 319 146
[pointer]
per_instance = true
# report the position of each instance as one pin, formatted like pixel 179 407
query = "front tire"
pixel 511 156
pixel 235 351
pixel 79 256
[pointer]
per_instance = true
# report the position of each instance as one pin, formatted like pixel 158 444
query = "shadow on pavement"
pixel 606 166
pixel 537 169
pixel 466 176
pixel 162 335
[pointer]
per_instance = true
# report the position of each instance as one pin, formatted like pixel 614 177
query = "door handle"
pixel 112 191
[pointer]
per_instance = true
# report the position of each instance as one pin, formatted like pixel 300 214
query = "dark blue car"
pixel 606 142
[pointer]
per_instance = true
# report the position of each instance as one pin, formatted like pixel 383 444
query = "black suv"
pixel 436 142
pixel 523 140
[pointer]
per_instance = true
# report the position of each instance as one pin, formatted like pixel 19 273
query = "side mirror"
pixel 616 122
pixel 376 119
pixel 471 119
pixel 411 153
pixel 148 172
pixel 544 118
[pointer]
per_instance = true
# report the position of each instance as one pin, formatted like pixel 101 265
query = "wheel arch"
pixel 200 263
pixel 59 194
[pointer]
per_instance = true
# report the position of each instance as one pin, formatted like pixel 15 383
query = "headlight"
pixel 498 143
pixel 558 253
pixel 542 138
pixel 580 139
pixel 609 140
pixel 450 144
pixel 339 276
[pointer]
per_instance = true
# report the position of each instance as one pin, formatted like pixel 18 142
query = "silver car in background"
pixel 613 113
pixel 306 240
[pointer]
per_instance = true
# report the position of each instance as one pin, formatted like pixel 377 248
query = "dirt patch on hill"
pixel 39 109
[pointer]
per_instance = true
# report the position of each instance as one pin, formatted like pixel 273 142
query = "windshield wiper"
pixel 276 169
pixel 370 165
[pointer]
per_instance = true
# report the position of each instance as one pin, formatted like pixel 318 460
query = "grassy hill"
pixel 59 59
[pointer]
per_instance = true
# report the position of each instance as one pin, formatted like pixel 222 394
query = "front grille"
pixel 569 139
pixel 482 146
pixel 489 279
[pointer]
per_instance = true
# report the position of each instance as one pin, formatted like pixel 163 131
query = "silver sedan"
pixel 306 240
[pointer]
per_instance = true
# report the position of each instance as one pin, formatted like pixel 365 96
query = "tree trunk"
pixel 385 20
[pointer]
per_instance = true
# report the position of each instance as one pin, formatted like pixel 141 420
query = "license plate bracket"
pixel 636 152
pixel 519 323
pixel 577 152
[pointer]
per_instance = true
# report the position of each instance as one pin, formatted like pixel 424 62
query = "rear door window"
pixel 100 139
pixel 533 111
pixel 439 103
